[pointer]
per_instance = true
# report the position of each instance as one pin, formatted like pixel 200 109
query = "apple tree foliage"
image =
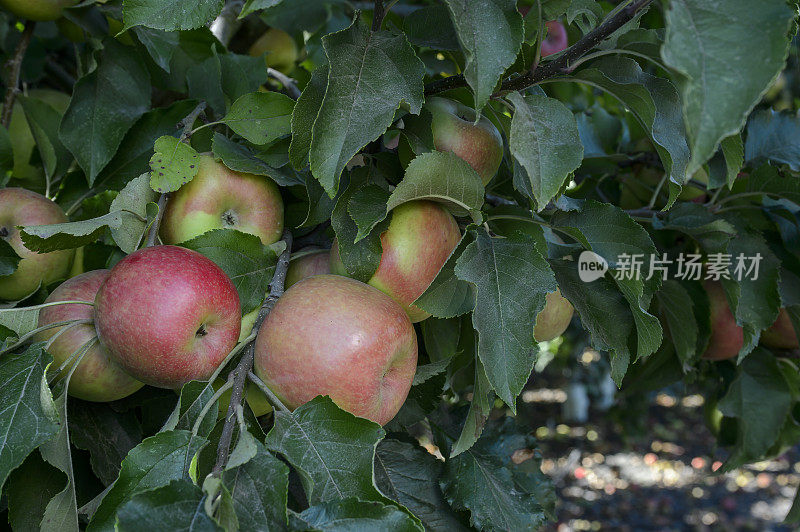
pixel 675 86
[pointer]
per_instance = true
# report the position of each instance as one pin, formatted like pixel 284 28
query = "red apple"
pixel 556 39
pixel 20 207
pixel 97 377
pixel 455 130
pixel 307 264
pixel 727 338
pixel 554 318
pixel 168 315
pixel 420 238
pixel 781 335
pixel 330 335
pixel 219 197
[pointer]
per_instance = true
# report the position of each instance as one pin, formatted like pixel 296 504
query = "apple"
pixel 307 263
pixel 20 207
pixel 556 39
pixel 167 315
pixel 97 377
pixel 554 318
pixel 219 198
pixel 39 10
pixel 419 240
pixel 727 338
pixel 279 47
pixel 781 334
pixel 335 336
pixel 256 399
pixel 456 130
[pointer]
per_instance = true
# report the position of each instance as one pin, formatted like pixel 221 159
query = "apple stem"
pixel 152 235
pixel 245 365
pixel 14 65
pixel 558 66
pixel 25 337
pixel 188 122
pixel 273 399
pixel 77 356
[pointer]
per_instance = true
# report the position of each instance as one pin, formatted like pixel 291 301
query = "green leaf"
pixel 511 279
pixel 431 27
pixel 6 153
pixel 367 208
pixel 43 121
pixel 761 399
pixel 21 320
pixel 408 474
pixel 9 260
pixel 242 74
pixel 173 164
pixel 371 75
pixel 105 104
pixel 676 305
pixel 305 114
pixel 259 491
pixel 585 14
pixel 151 464
pixel 491 35
pixel 177 506
pixel 773 137
pixel 448 296
pixel 160 45
pixel 108 435
pixel 704 45
pixel 724 167
pixel 251 6
pixel 352 513
pixel 261 117
pixel 696 221
pixel 331 449
pixel 170 15
pixel 243 258
pixel 478 414
pixel 28 417
pixel 131 203
pixel 768 180
pixel 240 158
pixel 544 139
pixel 30 487
pixel 194 396
pixel 655 103
pixel 443 177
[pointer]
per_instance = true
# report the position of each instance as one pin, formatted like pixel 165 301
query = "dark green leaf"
pixel 170 15
pixel 676 305
pixel 8 259
pixel 448 296
pixel 159 44
pixel 30 487
pixel 773 137
pixel 261 117
pixel 305 114
pixel 355 514
pixel 431 27
pixel 367 208
pixel 177 506
pixel 44 120
pixel 240 158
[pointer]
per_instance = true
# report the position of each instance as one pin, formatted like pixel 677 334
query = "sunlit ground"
pixel 659 478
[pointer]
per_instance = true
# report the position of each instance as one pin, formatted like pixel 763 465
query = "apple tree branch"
pixel 14 65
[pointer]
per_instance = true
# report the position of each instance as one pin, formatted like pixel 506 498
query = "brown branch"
pixel 560 65
pixel 245 365
pixel 188 121
pixel 377 15
pixel 152 235
pixel 14 65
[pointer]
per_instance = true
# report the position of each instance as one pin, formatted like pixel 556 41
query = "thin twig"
pixel 245 365
pixel 377 15
pixel 494 199
pixel 288 83
pixel 188 122
pixel 558 66
pixel 14 65
pixel 273 399
pixel 152 235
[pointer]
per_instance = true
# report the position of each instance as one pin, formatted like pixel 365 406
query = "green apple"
pixel 331 335
pixel 256 399
pixel 455 129
pixel 727 338
pixel 219 197
pixel 279 47
pixel 781 334
pixel 39 10
pixel 554 318
pixel 20 207
pixel 419 240
pixel 97 377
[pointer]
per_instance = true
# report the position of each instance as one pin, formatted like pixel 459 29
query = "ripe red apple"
pixel 554 318
pixel 279 47
pixel 40 10
pixel 556 39
pixel 420 238
pixel 167 315
pixel 455 130
pixel 727 338
pixel 330 335
pixel 219 197
pixel 20 207
pixel 97 377
pixel 307 264
pixel 781 335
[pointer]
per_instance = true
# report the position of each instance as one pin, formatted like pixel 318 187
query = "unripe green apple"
pixel 554 318
pixel 97 377
pixel 20 207
pixel 781 334
pixel 419 240
pixel 335 336
pixel 218 198
pixel 456 130
pixel 39 10
pixel 255 399
pixel 727 338
pixel 167 315
pixel 279 47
